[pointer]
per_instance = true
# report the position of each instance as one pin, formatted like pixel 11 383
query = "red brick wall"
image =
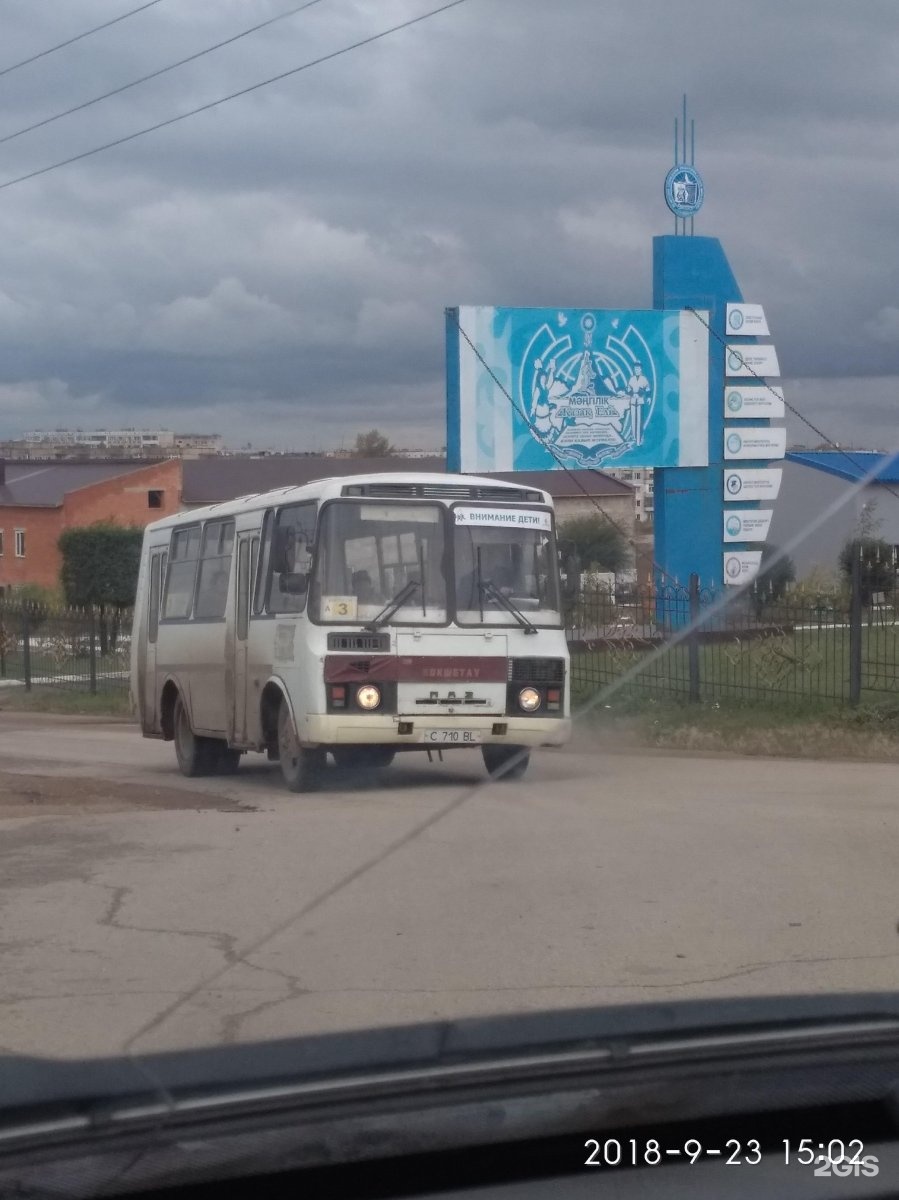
pixel 122 499
pixel 41 562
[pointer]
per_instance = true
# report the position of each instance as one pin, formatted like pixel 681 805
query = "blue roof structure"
pixel 851 465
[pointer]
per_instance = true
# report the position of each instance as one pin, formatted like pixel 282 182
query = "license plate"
pixel 451 737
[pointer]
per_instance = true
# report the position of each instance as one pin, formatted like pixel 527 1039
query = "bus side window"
pixel 157 566
pixel 261 576
pixel 290 558
pixel 243 588
pixel 215 570
pixel 182 573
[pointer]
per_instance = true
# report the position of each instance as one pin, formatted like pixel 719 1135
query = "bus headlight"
pixel 529 699
pixel 368 696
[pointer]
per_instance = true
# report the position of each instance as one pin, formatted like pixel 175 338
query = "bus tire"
pixel 363 758
pixel 301 768
pixel 507 763
pixel 195 754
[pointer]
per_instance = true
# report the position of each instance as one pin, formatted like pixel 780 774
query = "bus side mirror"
pixel 293 583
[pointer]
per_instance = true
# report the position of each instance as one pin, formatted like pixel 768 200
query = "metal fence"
pixel 82 649
pixel 838 648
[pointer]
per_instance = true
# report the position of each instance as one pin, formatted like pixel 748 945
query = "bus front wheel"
pixel 300 767
pixel 506 762
pixel 196 755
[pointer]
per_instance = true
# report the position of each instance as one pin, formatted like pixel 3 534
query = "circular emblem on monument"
pixel 734 361
pixel 734 443
pixel 733 526
pixel 735 320
pixel 734 485
pixel 733 567
pixel 734 401
pixel 684 190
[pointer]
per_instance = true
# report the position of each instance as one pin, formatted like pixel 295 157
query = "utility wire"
pixel 78 37
pixel 155 74
pixel 795 411
pixel 130 137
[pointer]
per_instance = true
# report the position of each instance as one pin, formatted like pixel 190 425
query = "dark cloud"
pixel 277 268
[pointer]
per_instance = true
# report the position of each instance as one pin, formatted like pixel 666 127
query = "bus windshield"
pixel 373 556
pixel 505 554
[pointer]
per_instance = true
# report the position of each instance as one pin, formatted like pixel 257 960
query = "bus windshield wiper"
pixel 488 588
pixel 404 594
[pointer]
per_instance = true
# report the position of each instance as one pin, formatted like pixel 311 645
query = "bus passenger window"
pixel 215 571
pixel 261 575
pixel 181 573
pixel 156 567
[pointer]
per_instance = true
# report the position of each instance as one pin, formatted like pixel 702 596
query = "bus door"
pixel 148 686
pixel 247 557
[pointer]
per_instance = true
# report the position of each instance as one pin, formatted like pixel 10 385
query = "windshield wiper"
pixel 404 594
pixel 488 588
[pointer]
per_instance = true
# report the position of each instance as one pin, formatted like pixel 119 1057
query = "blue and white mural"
pixel 586 388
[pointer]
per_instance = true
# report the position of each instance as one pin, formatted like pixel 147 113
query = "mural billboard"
pixel 589 388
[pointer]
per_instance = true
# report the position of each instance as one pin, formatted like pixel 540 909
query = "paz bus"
pixel 357 617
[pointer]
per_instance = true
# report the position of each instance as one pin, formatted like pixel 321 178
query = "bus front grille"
pixel 536 670
pixel 365 643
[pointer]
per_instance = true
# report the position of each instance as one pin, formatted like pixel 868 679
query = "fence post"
pixel 92 626
pixel 855 626
pixel 693 640
pixel 26 647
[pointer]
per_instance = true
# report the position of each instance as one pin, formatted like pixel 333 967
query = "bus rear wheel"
pixel 196 755
pixel 506 762
pixel 301 768
pixel 363 758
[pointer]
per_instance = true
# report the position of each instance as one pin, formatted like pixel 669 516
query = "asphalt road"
pixel 140 910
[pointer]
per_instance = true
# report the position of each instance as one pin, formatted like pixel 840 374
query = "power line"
pixel 130 137
pixel 78 37
pixel 795 411
pixel 155 74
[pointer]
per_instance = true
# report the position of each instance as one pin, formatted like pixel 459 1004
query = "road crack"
pixel 224 943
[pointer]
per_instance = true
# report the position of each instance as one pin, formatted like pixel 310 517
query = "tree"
pixel 877 567
pixel 372 445
pixel 599 544
pixel 99 569
pixel 770 585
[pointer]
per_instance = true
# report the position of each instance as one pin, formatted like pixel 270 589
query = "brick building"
pixel 38 500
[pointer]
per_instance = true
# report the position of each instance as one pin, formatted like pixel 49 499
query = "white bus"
pixel 355 616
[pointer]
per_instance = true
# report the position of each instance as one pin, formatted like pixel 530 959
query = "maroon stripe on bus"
pixel 349 668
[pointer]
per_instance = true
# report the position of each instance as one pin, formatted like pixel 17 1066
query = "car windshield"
pixel 371 554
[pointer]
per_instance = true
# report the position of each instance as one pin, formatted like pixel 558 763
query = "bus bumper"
pixel 343 729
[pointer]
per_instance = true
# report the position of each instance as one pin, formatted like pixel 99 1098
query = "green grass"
pixel 805 666
pixel 70 701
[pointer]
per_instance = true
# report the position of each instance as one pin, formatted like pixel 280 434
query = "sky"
pixel 276 269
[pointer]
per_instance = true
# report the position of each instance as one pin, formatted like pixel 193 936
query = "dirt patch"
pixel 52 795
